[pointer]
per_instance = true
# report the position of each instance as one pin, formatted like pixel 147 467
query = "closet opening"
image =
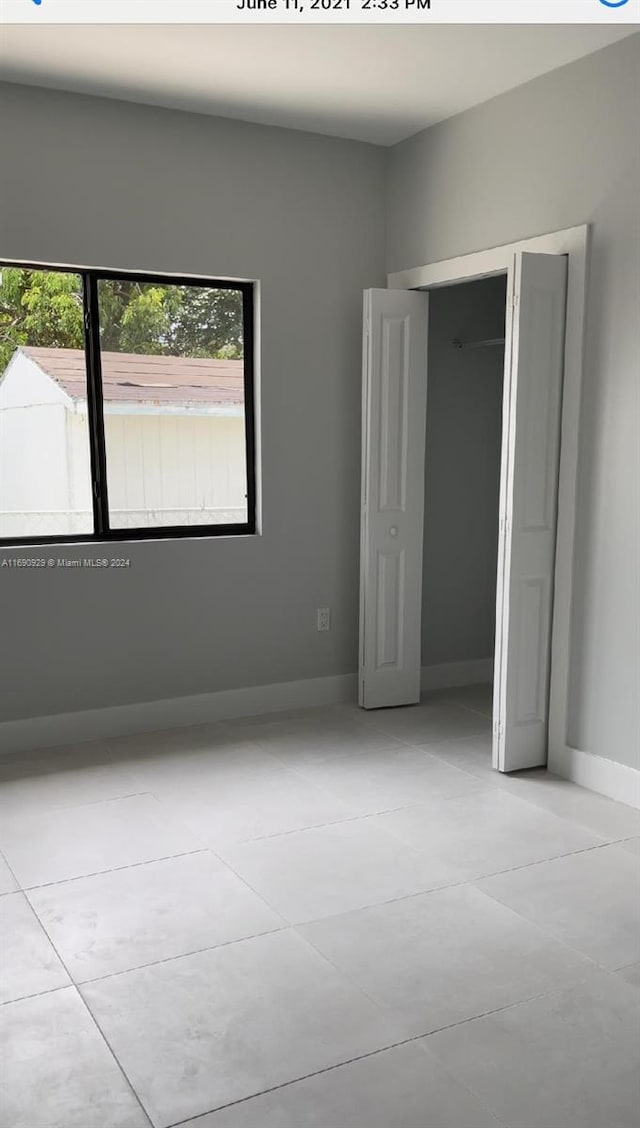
pixel 464 420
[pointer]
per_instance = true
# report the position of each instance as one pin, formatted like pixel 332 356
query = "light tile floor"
pixel 324 919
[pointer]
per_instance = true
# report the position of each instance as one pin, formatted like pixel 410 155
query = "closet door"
pixel 394 404
pixel 534 366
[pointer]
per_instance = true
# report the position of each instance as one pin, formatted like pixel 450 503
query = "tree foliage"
pixel 44 308
pixel 39 307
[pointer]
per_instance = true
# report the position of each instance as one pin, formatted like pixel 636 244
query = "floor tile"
pixel 399 1088
pixel 444 957
pixel 312 715
pixel 170 741
pixel 140 743
pixel 333 869
pixel 337 820
pixel 382 780
pixel 569 1060
pixel 485 833
pixel 589 901
pixel 315 715
pixel 243 807
pixel 28 962
pixel 470 754
pixel 322 737
pixel 32 782
pixel 231 1022
pixel 233 791
pixel 431 721
pixel 603 816
pixel 199 759
pixel 115 921
pixel 57 1071
pixel 77 841
pixel 8 883
pixel 477 697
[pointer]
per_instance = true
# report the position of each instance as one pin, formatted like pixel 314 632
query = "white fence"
pixel 51 523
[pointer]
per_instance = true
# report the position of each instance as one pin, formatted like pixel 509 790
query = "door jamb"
pixel 573 242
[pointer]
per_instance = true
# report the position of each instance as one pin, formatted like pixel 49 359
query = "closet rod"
pixel 457 344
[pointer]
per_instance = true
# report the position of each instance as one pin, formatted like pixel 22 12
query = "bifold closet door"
pixel 394 405
pixel 534 366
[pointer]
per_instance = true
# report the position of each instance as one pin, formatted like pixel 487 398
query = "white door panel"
pixel 531 442
pixel 393 427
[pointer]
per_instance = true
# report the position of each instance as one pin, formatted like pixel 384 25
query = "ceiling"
pixel 370 83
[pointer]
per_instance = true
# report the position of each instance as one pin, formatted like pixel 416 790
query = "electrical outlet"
pixel 324 619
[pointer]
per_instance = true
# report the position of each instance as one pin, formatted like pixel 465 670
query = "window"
pixel 126 406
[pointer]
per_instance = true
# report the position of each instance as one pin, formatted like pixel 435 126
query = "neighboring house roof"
pixel 145 379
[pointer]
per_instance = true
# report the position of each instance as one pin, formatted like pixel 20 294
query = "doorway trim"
pixel 573 242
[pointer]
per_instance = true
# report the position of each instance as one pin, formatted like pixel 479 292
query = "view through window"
pixel 45 478
pixel 125 405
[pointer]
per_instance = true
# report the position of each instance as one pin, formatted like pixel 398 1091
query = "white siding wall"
pixel 42 490
pixel 33 463
pixel 34 470
pixel 175 464
pixel 79 463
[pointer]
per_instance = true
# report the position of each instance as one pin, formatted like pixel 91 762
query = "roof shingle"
pixel 129 377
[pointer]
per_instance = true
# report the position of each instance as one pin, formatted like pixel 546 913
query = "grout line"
pixel 174 814
pixel 36 994
pixel 488 782
pixel 115 1057
pixel 74 987
pixel 223 861
pixel 317 826
pixel 470 882
pixel 114 869
pixel 561 942
pixel 181 956
pixel 406 805
pixel 374 1053
pixel 255 893
pixel 328 793
pixel 40 814
pixel 287 925
pixel 18 888
pixel 436 701
pixel 543 861
pixel 455 884
pixel 472 709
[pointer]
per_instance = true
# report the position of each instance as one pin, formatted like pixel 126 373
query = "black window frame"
pixel 102 531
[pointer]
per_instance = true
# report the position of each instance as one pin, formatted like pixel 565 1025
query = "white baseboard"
pixel 616 781
pixel 123 720
pixel 450 675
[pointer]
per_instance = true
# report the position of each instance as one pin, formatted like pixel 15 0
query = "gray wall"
pixel 560 151
pixel 462 473
pixel 104 183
